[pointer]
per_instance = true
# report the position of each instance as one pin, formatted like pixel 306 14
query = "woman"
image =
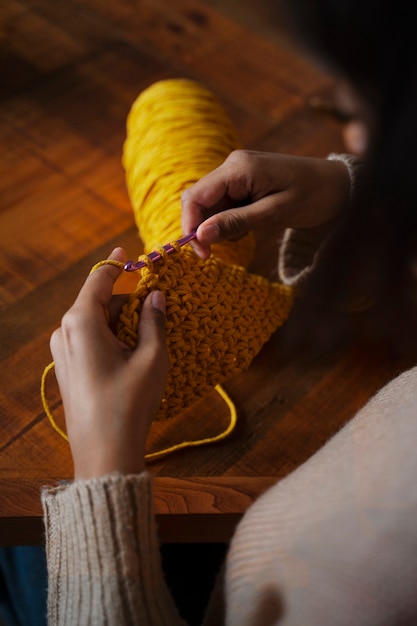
pixel 335 542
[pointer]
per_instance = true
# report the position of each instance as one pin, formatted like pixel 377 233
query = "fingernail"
pixel 208 234
pixel 158 301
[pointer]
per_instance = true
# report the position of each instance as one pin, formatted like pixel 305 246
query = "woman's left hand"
pixel 110 393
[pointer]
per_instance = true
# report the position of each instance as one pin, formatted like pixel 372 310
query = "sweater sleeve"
pixel 103 556
pixel 301 249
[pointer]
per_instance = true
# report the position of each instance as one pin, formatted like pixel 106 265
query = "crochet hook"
pixel 131 266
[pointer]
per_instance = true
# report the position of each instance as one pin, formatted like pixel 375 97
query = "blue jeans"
pixel 23 586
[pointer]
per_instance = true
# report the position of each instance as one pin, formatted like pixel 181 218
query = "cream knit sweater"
pixel 333 544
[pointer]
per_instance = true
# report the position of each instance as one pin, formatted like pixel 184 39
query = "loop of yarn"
pixel 158 454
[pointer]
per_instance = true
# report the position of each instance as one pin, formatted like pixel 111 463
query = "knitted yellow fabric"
pixel 218 318
pixel 218 315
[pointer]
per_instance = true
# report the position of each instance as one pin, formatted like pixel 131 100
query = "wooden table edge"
pixel 198 509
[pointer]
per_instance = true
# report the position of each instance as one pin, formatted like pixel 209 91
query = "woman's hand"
pixel 252 189
pixel 110 393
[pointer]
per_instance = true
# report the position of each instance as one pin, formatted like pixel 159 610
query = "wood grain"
pixel 73 70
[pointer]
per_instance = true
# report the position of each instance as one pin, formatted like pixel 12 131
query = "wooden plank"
pixel 196 35
pixel 188 510
pixel 196 495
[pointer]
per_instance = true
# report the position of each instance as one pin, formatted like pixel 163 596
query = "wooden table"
pixel 73 70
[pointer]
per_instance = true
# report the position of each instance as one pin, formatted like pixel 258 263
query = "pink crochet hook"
pixel 131 266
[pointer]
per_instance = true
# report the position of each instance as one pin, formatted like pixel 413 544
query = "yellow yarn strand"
pixel 118 264
pixel 153 456
pixel 48 369
pixel 150 456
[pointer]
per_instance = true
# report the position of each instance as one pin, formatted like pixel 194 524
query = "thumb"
pixel 98 287
pixel 228 225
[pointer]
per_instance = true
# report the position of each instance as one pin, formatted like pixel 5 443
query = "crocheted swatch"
pixel 218 318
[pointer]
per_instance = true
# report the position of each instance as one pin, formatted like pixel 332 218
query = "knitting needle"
pixel 131 266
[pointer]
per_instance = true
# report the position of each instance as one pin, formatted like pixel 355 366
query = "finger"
pixel 237 222
pixel 224 188
pixel 55 342
pixel 199 201
pixel 151 332
pixel 193 213
pixel 207 197
pixel 98 288
pixel 115 308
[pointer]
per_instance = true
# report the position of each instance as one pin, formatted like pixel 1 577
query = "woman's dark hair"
pixel 373 45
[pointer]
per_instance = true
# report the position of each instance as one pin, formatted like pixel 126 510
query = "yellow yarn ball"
pixel 177 133
pixel 218 315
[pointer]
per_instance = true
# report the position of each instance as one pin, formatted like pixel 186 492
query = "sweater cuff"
pixel 102 550
pixel 94 511
pixel 301 249
pixel 299 253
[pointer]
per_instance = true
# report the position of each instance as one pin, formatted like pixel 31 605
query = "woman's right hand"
pixel 252 189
